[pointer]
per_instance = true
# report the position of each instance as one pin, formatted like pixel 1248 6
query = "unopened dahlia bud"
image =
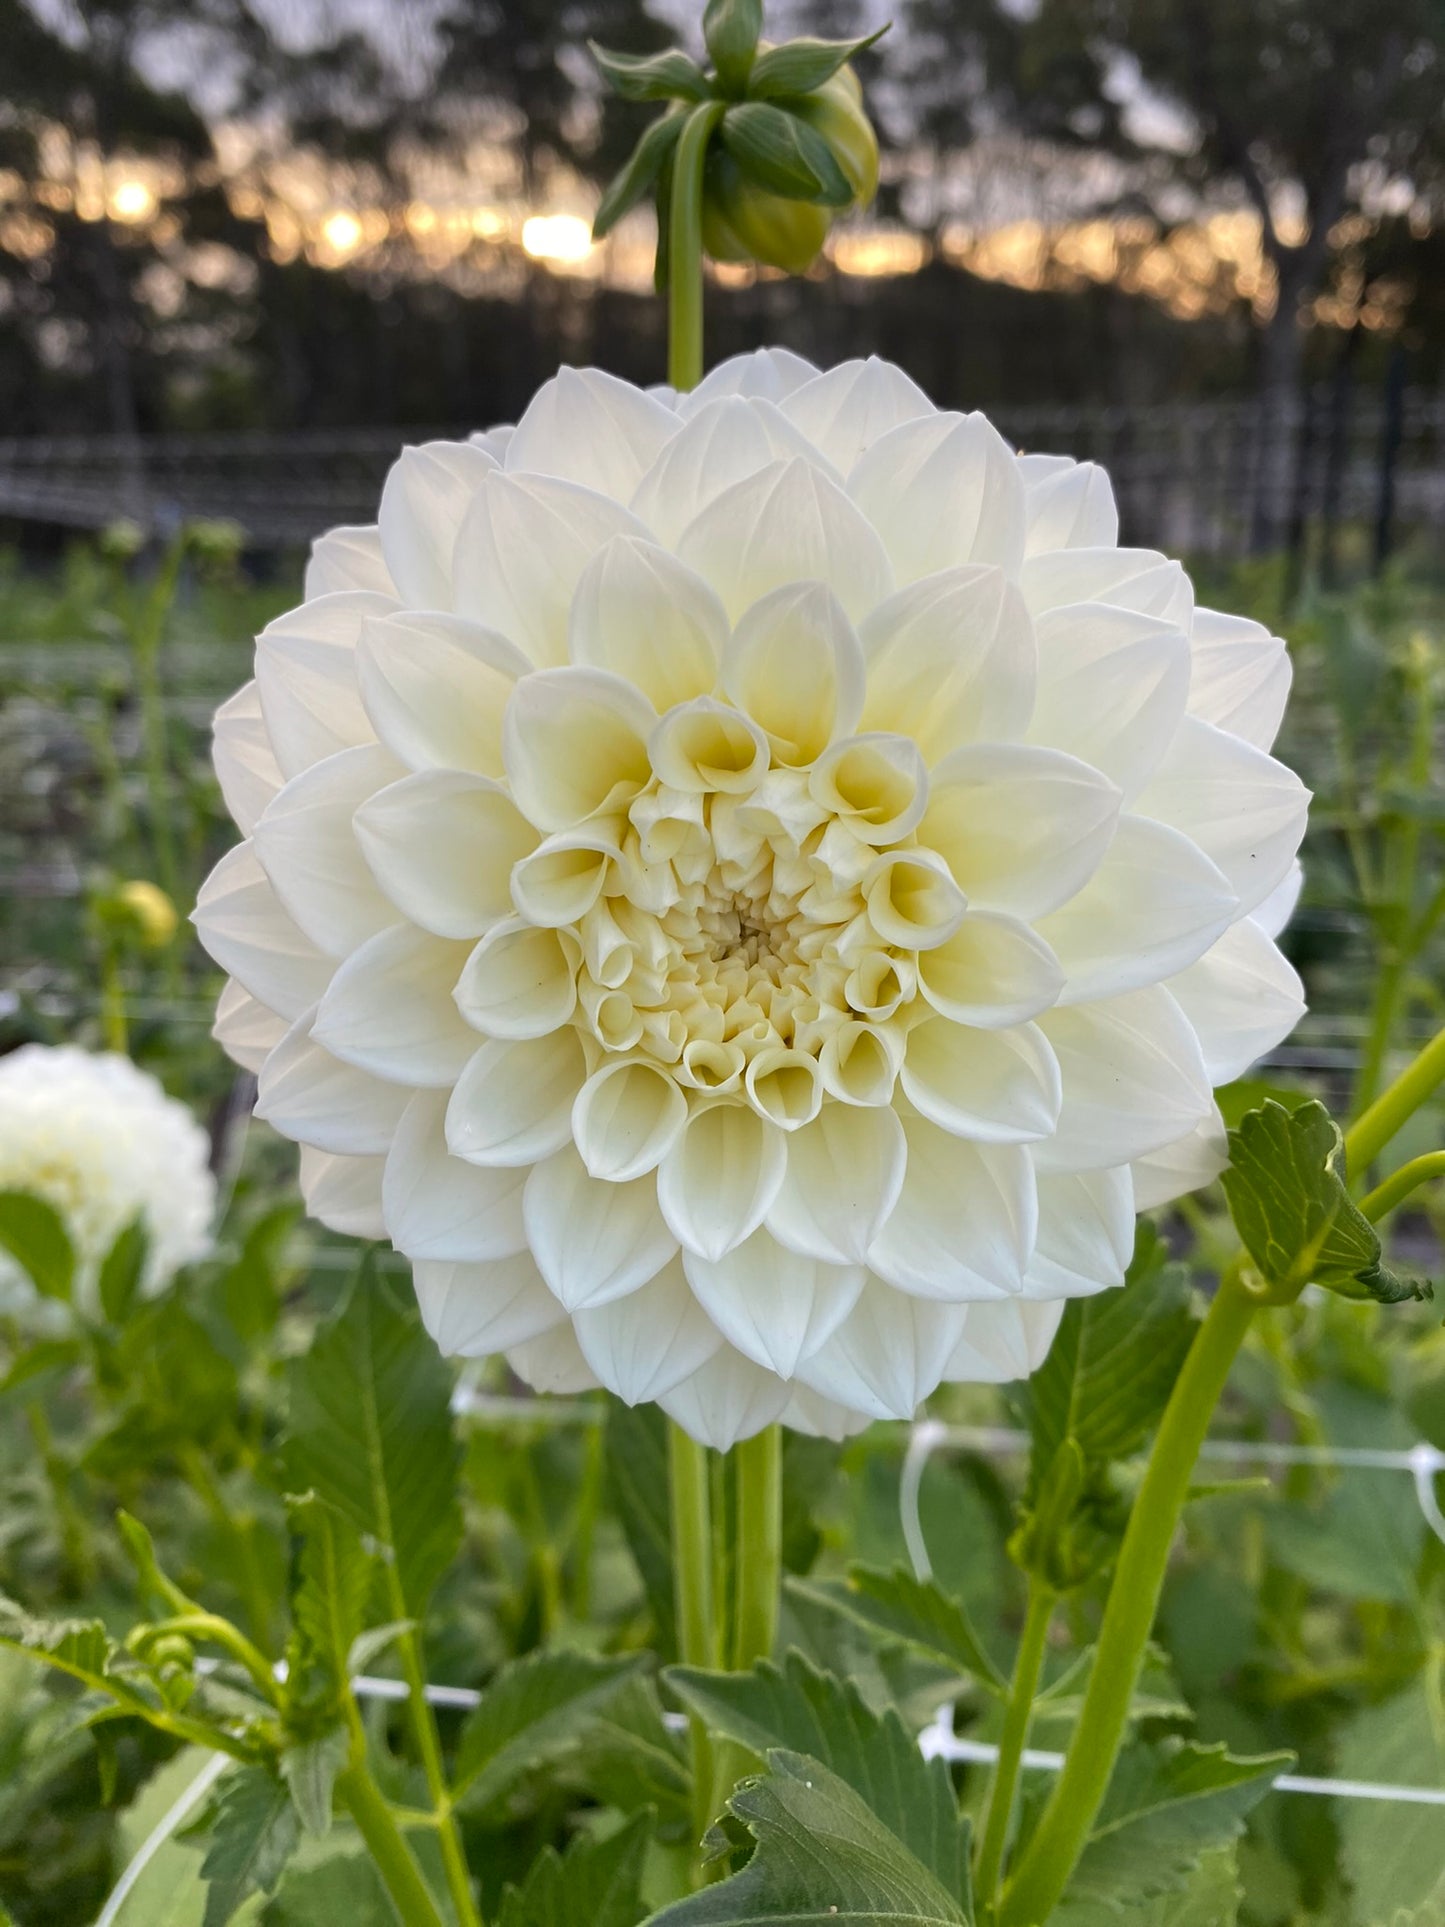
pixel 750 892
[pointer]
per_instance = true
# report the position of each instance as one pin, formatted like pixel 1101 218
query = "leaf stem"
pixel 1394 1108
pixel 1053 1852
pixel 1022 1690
pixel 697 1642
pixel 377 1826
pixel 220 1632
pixel 684 248
pixel 1398 1186
pixel 429 1746
pixel 758 1558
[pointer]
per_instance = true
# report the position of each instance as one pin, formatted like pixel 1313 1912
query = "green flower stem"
pixel 1398 1186
pixel 1053 1852
pixel 429 1745
pixel 758 1558
pixel 692 1550
pixel 1022 1690
pixel 684 248
pixel 376 1824
pixel 1391 1111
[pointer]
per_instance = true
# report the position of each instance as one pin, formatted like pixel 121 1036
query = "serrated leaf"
pixel 666 76
pixel 1166 1806
pixel 34 1234
pixel 371 1433
pixel 916 1612
pixel 806 1711
pixel 332 1576
pixel 1209 1898
pixel 823 1859
pixel 779 152
pixel 638 173
pixel 253 1832
pixel 80 1647
pixel 121 1272
pixel 168 1890
pixel 1286 1191
pixel 1391 1851
pixel 598 1882
pixel 370 1645
pixel 629 1757
pixel 731 29
pixel 800 66
pixel 309 1767
pixel 635 1442
pixel 530 1713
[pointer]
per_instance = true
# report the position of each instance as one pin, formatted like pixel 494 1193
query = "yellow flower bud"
pixel 835 110
pixel 741 222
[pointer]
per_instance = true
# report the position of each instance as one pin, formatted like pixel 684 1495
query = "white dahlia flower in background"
pixel 752 891
pixel 99 1141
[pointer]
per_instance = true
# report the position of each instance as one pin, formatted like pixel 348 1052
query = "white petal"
pixel 344 1194
pixel 951 660
pixel 1071 507
pixel 513 1102
pixel 1244 810
pixel 435 688
pixel 242 925
pixel 993 1086
pixel 313 1098
pixel 787 523
pixel 794 664
pixel 888 1354
pixel 493 441
pixel 307 843
pixel 588 427
pixel 347 558
pixel 771 373
pixel 474 1310
pixel 1279 906
pixel 641 615
pixel 723 442
pixel 1242 997
pixel 626 1119
pixel 1128 578
pixel 1154 904
pixel 1187 1164
pixel 877 783
pixel 520 551
pixel 1004 1342
pixel 775 1305
pixel 1241 676
pixel 729 1399
pixel 844 411
pixel 519 981
pixel 553 1363
pixel 1086 1233
pixel 963 1226
pixel 1134 1079
pixel 389 1009
pixel 643 1346
pixel 822 1418
pixel 561 879
pixel 306 677
pixel 785 1087
pixel 845 1171
pixel 437 1206
pixel 1113 686
pixel 942 491
pixel 442 846
pixel 705 745
pixel 244 1028
pixel 246 766
pixel 593 1240
pixel 427 493
pixel 993 971
pixel 1022 829
pixel 717 1182
pixel 575 744
pixel 913 900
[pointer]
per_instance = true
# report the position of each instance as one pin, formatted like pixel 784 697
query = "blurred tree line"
pixel 1323 119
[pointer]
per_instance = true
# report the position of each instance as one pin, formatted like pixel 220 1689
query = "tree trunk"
pixel 1278 410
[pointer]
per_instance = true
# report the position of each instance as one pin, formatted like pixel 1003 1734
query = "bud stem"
pixel 1023 1688
pixel 684 248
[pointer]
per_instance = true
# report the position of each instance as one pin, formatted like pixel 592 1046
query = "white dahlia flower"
pixel 752 891
pixel 97 1139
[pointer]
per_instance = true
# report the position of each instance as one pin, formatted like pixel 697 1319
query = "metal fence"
pixel 1335 472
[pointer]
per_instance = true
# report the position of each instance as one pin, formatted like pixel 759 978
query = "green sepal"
pixel 731 29
pixel 638 175
pixel 783 154
pixel 798 66
pixel 669 75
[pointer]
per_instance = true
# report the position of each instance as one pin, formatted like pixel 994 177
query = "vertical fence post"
pixel 1390 455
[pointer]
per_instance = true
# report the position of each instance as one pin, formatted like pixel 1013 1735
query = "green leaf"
pixel 80 1647
pixel 1209 1898
pixel 731 29
pixel 371 1433
pixel 35 1236
pixel 637 1477
pixel 638 174
pixel 153 1583
pixel 896 1605
pixel 1286 1190
pixel 121 1272
pixel 823 1859
pixel 332 1577
pixel 800 66
pixel 1166 1806
pixel 598 1882
pixel 1392 1852
pixel 806 1711
pixel 343 1888
pixel 309 1769
pixel 249 1288
pixel 253 1832
pixel 169 1891
pixel 629 1758
pixel 529 1714
pixel 665 76
pixel 778 151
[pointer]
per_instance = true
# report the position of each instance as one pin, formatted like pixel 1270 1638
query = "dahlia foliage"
pixel 752 891
pixel 98 1140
